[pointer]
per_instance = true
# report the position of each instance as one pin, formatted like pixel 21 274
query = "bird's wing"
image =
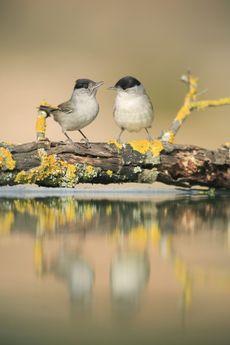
pixel 66 107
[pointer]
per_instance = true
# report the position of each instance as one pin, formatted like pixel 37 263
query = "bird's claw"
pixel 85 141
pixel 69 141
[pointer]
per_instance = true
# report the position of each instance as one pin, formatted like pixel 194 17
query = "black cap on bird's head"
pixel 87 84
pixel 83 83
pixel 127 82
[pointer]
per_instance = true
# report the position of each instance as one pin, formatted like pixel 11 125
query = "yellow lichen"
pixel 109 173
pixel 143 146
pixel 70 171
pixel 169 137
pixel 57 171
pixel 210 103
pixel 183 113
pixel 46 104
pixel 156 147
pixel 116 143
pixel 192 93
pixel 6 160
pixel 89 170
pixel 191 104
pixel 41 124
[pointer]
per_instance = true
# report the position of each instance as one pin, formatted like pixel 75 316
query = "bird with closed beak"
pixel 79 111
pixel 133 109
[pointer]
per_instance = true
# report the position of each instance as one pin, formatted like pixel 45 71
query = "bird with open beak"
pixel 79 111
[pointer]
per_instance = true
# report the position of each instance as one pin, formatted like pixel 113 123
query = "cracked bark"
pixel 178 165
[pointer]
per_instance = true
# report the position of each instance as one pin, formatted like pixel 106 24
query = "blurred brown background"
pixel 47 44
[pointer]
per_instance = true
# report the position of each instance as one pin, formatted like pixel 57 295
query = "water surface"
pixel 115 271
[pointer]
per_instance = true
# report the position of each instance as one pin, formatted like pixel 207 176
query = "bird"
pixel 133 109
pixel 79 111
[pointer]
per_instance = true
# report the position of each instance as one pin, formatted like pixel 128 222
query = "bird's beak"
pixel 97 85
pixel 112 88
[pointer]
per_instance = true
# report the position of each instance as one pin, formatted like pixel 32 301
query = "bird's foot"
pixel 69 141
pixel 119 141
pixel 43 139
pixel 150 137
pixel 86 142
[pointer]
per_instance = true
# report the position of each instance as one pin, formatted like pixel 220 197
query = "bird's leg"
pixel 149 135
pixel 119 137
pixel 86 140
pixel 69 140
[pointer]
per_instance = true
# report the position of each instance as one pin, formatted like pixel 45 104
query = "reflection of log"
pixel 59 164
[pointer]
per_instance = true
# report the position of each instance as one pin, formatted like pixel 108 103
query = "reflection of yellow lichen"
pixel 143 146
pixel 49 217
pixel 88 213
pixel 184 279
pixel 116 143
pixel 38 255
pixel 155 234
pixel 138 237
pixel 6 222
pixel 52 168
pixel 6 159
pixel 108 210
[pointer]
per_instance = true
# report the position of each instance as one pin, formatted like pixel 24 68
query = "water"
pixel 153 270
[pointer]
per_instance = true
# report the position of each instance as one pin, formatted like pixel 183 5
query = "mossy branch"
pixel 190 104
pixel 65 165
pixel 60 164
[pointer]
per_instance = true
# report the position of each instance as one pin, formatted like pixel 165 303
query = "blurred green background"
pixel 46 45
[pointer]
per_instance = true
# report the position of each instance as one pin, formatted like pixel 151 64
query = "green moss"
pixel 148 176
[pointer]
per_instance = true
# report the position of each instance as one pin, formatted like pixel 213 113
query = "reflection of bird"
pixel 80 110
pixel 78 274
pixel 129 275
pixel 132 109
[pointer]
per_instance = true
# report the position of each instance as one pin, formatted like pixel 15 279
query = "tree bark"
pixel 59 164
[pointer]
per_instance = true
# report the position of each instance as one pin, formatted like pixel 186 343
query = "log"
pixel 59 164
